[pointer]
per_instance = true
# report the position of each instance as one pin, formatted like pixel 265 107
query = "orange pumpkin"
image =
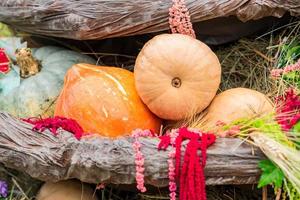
pixel 234 104
pixel 176 75
pixel 103 100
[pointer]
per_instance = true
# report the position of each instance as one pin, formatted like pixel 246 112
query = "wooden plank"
pixel 96 159
pixel 98 19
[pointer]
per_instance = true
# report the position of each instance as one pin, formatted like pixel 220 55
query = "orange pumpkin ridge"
pixel 103 100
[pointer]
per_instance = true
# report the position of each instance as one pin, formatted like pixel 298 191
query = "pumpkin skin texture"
pixel 176 75
pixel 36 95
pixel 234 104
pixel 103 100
pixel 66 190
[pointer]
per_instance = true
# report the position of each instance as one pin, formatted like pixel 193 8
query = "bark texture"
pixel 98 19
pixel 96 159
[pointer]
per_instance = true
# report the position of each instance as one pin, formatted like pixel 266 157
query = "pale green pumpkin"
pixel 36 94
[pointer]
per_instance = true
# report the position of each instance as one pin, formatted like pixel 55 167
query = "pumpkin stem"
pixel 176 82
pixel 29 66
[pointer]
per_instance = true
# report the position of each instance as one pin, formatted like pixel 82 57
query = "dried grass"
pixel 247 62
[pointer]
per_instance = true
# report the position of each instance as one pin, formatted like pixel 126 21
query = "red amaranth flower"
pixel 4 62
pixel 191 174
pixel 53 124
pixel 288 109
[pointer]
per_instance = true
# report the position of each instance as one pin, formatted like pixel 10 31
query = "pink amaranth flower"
pixel 171 163
pixel 172 174
pixel 292 67
pixel 100 186
pixel 234 130
pixel 231 132
pixel 139 157
pixel 166 140
pixel 275 73
pixel 220 123
pixel 179 19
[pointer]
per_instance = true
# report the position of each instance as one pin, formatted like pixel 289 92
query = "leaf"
pixel 5 31
pixel 259 123
pixel 292 78
pixel 266 166
pixel 271 174
pixel 293 53
pixel 290 53
pixel 296 127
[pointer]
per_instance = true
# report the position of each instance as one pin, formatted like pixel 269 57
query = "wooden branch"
pixel 98 19
pixel 96 159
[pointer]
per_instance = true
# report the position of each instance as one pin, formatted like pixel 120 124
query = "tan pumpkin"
pixel 234 104
pixel 66 190
pixel 176 75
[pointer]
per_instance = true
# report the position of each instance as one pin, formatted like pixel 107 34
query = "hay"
pixel 247 62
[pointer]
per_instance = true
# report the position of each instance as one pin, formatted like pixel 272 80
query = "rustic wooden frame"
pixel 96 159
pixel 92 19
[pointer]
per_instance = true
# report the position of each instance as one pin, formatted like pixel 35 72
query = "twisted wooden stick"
pixel 95 159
